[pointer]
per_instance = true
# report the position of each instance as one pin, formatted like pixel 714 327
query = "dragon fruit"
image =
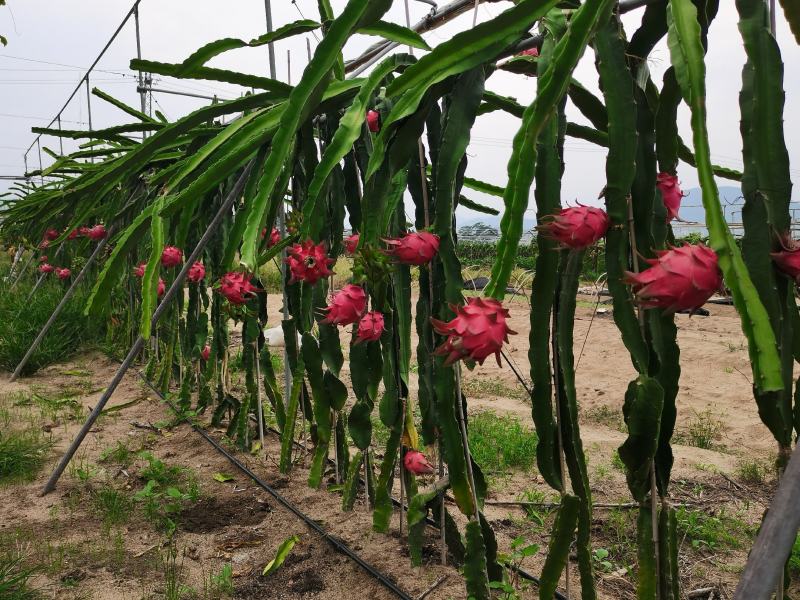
pixel 679 279
pixel 236 287
pixel 63 273
pixel 83 231
pixel 347 305
pixel 162 287
pixel 576 227
pixel 43 259
pixel 171 256
pixel 414 248
pixel 529 52
pixel 197 272
pixel 373 121
pixel 415 462
pixel 46 268
pixel 96 233
pixel 308 262
pixel 205 352
pixel 274 236
pixel 477 331
pixel 370 327
pixel 51 235
pixel 73 234
pixel 671 193
pixel 44 245
pixel 351 243
pixel 788 259
pixel 139 270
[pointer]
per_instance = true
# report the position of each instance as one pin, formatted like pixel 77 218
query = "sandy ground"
pixel 237 523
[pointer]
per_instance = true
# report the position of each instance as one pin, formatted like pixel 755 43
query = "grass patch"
pixel 608 416
pixel 113 505
pixel 500 443
pixel 702 430
pixel 22 454
pixel 15 578
pixel 752 471
pixel 713 531
pixel 489 387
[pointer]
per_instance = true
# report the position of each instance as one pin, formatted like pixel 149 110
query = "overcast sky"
pixel 50 44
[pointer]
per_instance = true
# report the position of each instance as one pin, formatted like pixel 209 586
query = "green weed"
pixel 22 454
pixel 488 387
pixel 499 443
pixel 15 578
pixel 113 505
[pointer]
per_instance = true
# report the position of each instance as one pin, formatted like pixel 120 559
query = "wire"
pixel 314 33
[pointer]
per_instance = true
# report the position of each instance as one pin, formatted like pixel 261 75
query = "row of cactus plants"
pixel 332 148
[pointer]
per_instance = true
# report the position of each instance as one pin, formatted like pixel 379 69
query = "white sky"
pixel 51 44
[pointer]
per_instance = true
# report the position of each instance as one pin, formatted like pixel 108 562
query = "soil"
pixel 237 523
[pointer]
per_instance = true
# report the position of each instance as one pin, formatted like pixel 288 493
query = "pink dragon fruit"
pixel 63 273
pixel 477 331
pixel 197 272
pixel 576 227
pixel 51 235
pixel 42 259
pixel 671 193
pixel 529 52
pixel 162 287
pixel 274 236
pixel 46 268
pixel 138 271
pixel 417 248
pixel 374 121
pixel 416 463
pixel 96 233
pixel 236 287
pixel 347 305
pixel 678 279
pixel 351 243
pixel 73 234
pixel 83 231
pixel 370 327
pixel 308 262
pixel 788 259
pixel 171 256
pixel 205 352
pixel 44 245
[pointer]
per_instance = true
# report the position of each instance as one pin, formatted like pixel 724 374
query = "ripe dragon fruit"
pixel 274 236
pixel 370 327
pixel 96 233
pixel 46 268
pixel 351 243
pixel 417 248
pixel 308 262
pixel 63 273
pixel 83 231
pixel 197 272
pixel 205 352
pixel 139 270
pixel 171 256
pixel 373 121
pixel 477 331
pixel 416 463
pixel 576 227
pixel 72 234
pixel 679 279
pixel 529 52
pixel 162 287
pixel 788 259
pixel 671 193
pixel 347 306
pixel 51 234
pixel 236 287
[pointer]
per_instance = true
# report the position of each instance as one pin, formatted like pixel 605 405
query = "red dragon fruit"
pixel 477 331
pixel 416 463
pixel 63 273
pixel 72 234
pixel 274 236
pixel 417 248
pixel 236 287
pixel 671 193
pixel 205 352
pixel 44 245
pixel 96 233
pixel 373 121
pixel 347 306
pixel 529 52
pixel 678 279
pixel 576 227
pixel 171 256
pixel 197 272
pixel 42 259
pixel 351 243
pixel 139 270
pixel 788 259
pixel 83 231
pixel 308 262
pixel 370 327
pixel 51 235
pixel 162 287
pixel 46 268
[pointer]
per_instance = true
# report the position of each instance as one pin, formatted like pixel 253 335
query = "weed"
pixel 499 443
pixel 535 513
pixel 702 430
pixel 167 490
pixel 114 506
pixel 15 577
pixel 22 454
pixel 752 471
pixel 794 557
pixel 172 568
pixel 616 462
pixel 512 584
pixel 221 585
pixel 489 387
pixel 119 454
pixel 712 531
pixel 608 416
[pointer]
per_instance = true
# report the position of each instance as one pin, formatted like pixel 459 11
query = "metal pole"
pixel 72 289
pixel 270 46
pixel 24 267
pixel 173 291
pixel 89 105
pixel 60 139
pixel 142 93
pixel 41 168
pixel 43 275
pixel 772 17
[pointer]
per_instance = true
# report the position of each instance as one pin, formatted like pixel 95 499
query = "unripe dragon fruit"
pixel 576 227
pixel 788 259
pixel 46 268
pixel 370 327
pixel 274 236
pixel 679 279
pixel 477 331
pixel 529 52
pixel 138 271
pixel 347 306
pixel 51 234
pixel 162 287
pixel 205 352
pixel 44 245
pixel 42 259
pixel 416 463
pixel 351 243
pixel 308 262
pixel 197 272
pixel 63 273
pixel 236 287
pixel 417 248
pixel 374 121
pixel 671 193
pixel 96 233
pixel 171 256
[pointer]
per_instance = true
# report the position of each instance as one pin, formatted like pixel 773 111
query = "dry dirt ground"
pixel 83 553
